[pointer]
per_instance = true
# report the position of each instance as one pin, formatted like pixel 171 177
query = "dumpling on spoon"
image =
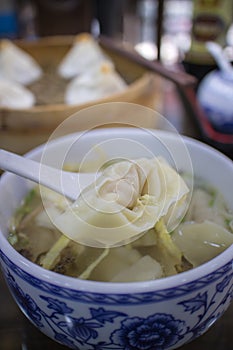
pixel 101 81
pixel 14 95
pixel 127 200
pixel 83 55
pixel 17 65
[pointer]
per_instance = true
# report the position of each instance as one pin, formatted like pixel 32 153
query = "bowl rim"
pixel 72 283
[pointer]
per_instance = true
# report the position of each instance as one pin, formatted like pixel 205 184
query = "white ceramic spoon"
pixel 69 184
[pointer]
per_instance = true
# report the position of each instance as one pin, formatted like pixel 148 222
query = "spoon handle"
pixel 66 183
pixel 19 165
pixel 30 169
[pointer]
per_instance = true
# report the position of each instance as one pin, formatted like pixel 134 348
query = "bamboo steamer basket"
pixel 24 129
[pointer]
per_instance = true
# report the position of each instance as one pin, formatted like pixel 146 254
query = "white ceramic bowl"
pixel 161 314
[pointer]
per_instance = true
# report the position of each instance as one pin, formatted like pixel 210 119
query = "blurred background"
pixel 173 32
pixel 157 28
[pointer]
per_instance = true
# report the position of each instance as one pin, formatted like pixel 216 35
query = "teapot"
pixel 215 92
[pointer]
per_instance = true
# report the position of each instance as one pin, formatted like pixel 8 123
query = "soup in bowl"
pixel 127 309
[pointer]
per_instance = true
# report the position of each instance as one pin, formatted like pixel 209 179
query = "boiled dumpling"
pixel 100 81
pixel 84 54
pixel 126 201
pixel 208 205
pixel 119 259
pixel 145 269
pixel 201 242
pixel 17 65
pixel 14 95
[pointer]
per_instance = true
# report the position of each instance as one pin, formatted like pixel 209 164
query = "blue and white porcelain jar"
pixel 215 96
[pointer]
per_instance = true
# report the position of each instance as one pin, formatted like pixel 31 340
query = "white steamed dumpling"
pixel 14 95
pixel 99 82
pixel 126 201
pixel 17 65
pixel 83 55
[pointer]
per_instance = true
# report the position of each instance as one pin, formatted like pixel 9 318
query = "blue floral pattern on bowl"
pixel 111 321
